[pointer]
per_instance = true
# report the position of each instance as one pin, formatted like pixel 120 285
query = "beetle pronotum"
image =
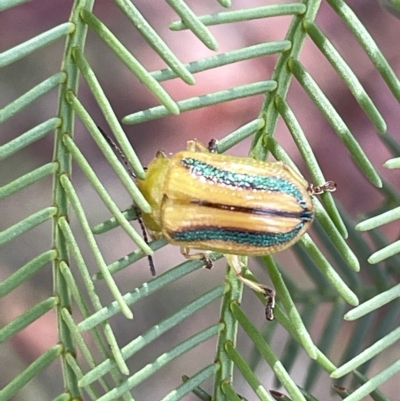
pixel 237 206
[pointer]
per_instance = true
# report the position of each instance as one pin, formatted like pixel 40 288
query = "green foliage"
pixel 91 300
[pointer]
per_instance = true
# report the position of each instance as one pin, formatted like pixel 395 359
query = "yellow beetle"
pixel 233 205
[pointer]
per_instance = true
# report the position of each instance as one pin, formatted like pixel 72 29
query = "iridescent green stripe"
pixel 241 237
pixel 240 180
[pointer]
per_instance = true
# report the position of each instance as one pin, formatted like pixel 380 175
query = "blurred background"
pixel 170 134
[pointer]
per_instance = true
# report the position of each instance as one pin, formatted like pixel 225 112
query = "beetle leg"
pixel 197 256
pixel 236 263
pixel 197 146
pixel 213 146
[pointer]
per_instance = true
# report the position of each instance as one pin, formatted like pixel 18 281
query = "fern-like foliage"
pixel 189 339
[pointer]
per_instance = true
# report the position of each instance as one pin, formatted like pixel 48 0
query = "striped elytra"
pixel 228 204
pixel 233 205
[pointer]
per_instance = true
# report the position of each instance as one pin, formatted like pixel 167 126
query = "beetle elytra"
pixel 237 206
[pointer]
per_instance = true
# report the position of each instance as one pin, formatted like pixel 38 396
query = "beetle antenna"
pixel 119 152
pixel 146 239
pixel 128 167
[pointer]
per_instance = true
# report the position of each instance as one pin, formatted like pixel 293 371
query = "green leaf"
pixel 76 207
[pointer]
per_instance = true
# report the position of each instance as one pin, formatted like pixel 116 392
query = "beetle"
pixel 237 206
